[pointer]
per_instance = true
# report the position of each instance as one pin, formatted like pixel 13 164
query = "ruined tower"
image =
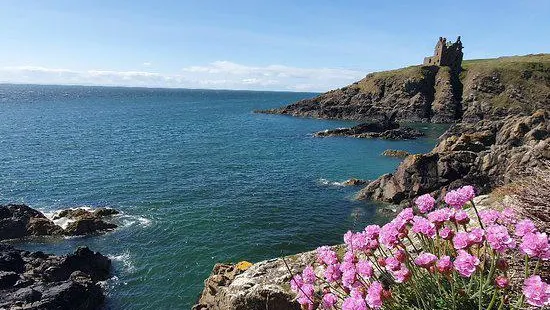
pixel 446 54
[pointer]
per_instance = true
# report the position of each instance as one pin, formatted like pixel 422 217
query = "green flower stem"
pixel 453 293
pixel 412 244
pixel 493 299
pixel 477 214
pixel 536 267
pixel 520 301
pixel 501 305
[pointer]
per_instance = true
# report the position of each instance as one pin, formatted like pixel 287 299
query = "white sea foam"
pixel 126 260
pixel 133 220
pixel 124 220
pixel 330 183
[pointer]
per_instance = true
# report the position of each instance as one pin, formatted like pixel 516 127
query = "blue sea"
pixel 199 177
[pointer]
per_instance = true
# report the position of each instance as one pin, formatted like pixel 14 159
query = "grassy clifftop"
pixel 486 88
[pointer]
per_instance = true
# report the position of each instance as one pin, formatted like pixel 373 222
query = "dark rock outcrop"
pixel 20 221
pixel 383 130
pixel 486 154
pixel 84 222
pixel 396 153
pixel 354 182
pixel 34 280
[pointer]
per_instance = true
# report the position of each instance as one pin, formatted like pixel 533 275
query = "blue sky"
pixel 265 45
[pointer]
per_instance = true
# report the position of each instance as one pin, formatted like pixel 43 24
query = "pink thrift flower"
pixel 535 245
pixel 507 216
pixel 499 239
pixel 296 283
pixel 308 275
pixel 329 300
pixel 446 233
pixel 439 216
pixel 468 192
pixel 400 224
pixel 348 239
pixel 350 257
pixel 326 255
pixel 536 291
pixel 489 216
pixel 425 203
pixel 406 214
pixel 461 217
pixel 444 264
pixel 401 255
pixel 360 241
pixel 425 260
pixel 402 274
pixel 455 199
pixel 354 302
pixel 374 295
pixel 461 240
pixel 502 282
pixel 305 295
pixel 476 236
pixel 465 264
pixel 388 235
pixel 364 268
pixel 392 263
pixel 423 226
pixel 348 274
pixel 333 273
pixel 524 227
pixel 372 231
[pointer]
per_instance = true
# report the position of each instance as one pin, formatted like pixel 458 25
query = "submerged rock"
pixel 34 280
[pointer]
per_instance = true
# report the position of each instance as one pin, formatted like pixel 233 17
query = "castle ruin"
pixel 446 54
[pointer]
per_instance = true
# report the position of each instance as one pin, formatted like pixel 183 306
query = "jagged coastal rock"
pixel 396 153
pixel 354 182
pixel 485 154
pixel 34 280
pixel 265 285
pixel 19 221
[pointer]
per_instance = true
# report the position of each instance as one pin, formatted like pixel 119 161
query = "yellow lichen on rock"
pixel 243 265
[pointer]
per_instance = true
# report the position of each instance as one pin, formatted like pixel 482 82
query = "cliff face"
pixel 485 154
pixel 486 89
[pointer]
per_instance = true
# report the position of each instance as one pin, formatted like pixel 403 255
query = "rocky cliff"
pixel 486 154
pixel 486 89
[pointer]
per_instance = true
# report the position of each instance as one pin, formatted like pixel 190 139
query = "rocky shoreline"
pixel 502 131
pixel 21 221
pixel 485 154
pixel 35 280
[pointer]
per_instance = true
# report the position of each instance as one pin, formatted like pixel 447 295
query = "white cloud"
pixel 219 75
pixel 146 64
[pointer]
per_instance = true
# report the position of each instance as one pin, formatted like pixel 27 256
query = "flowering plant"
pixel 431 257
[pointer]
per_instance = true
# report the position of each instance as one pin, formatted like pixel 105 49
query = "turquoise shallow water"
pixel 200 178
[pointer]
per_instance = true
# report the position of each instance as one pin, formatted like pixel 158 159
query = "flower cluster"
pixel 430 257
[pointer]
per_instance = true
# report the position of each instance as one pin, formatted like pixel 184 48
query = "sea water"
pixel 199 177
